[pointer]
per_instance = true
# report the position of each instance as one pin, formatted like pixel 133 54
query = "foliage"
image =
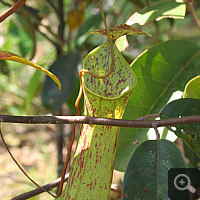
pixel 161 67
pixel 154 158
pixel 103 98
pixel 181 108
pixel 169 64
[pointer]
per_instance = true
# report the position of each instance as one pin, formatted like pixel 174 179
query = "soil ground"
pixel 34 147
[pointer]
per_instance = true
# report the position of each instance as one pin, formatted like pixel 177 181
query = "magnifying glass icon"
pixel 182 182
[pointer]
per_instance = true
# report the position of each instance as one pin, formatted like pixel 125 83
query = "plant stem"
pixel 61 27
pixel 149 117
pixel 39 190
pixel 11 10
pixel 99 121
pixel 191 9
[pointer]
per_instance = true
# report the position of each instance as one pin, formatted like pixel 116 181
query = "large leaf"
pixel 160 71
pixel 190 133
pixel 155 11
pixel 146 176
pixel 66 69
pixel 88 25
pixel 6 55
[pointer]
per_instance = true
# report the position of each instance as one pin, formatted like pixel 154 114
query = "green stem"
pixel 108 32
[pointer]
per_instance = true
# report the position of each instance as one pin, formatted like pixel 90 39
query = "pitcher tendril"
pixel 90 73
pixel 80 95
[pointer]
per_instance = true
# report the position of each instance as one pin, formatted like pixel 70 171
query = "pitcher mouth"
pixel 121 81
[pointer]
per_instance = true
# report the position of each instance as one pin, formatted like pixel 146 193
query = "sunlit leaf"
pixel 160 71
pixel 122 43
pixel 190 133
pixel 157 10
pixel 120 30
pixel 192 89
pixel 6 55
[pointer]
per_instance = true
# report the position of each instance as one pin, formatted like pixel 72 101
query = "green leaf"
pixel 6 55
pixel 32 89
pixel 157 10
pixel 190 133
pixel 160 71
pixel 192 89
pixel 146 176
pixel 21 36
pixel 120 30
pixel 72 99
pixel 88 25
pixel 66 69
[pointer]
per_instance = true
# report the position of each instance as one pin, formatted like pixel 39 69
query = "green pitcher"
pixel 91 174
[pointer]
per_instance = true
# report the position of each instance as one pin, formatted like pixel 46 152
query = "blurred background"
pixel 54 34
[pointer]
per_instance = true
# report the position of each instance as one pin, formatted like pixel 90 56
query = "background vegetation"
pixel 55 33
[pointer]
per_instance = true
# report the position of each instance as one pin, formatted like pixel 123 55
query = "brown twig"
pixel 51 186
pixel 118 192
pixel 37 22
pixel 99 121
pixel 156 131
pixel 191 9
pixel 39 190
pixel 61 27
pixel 45 35
pixel 11 10
pixel 149 117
